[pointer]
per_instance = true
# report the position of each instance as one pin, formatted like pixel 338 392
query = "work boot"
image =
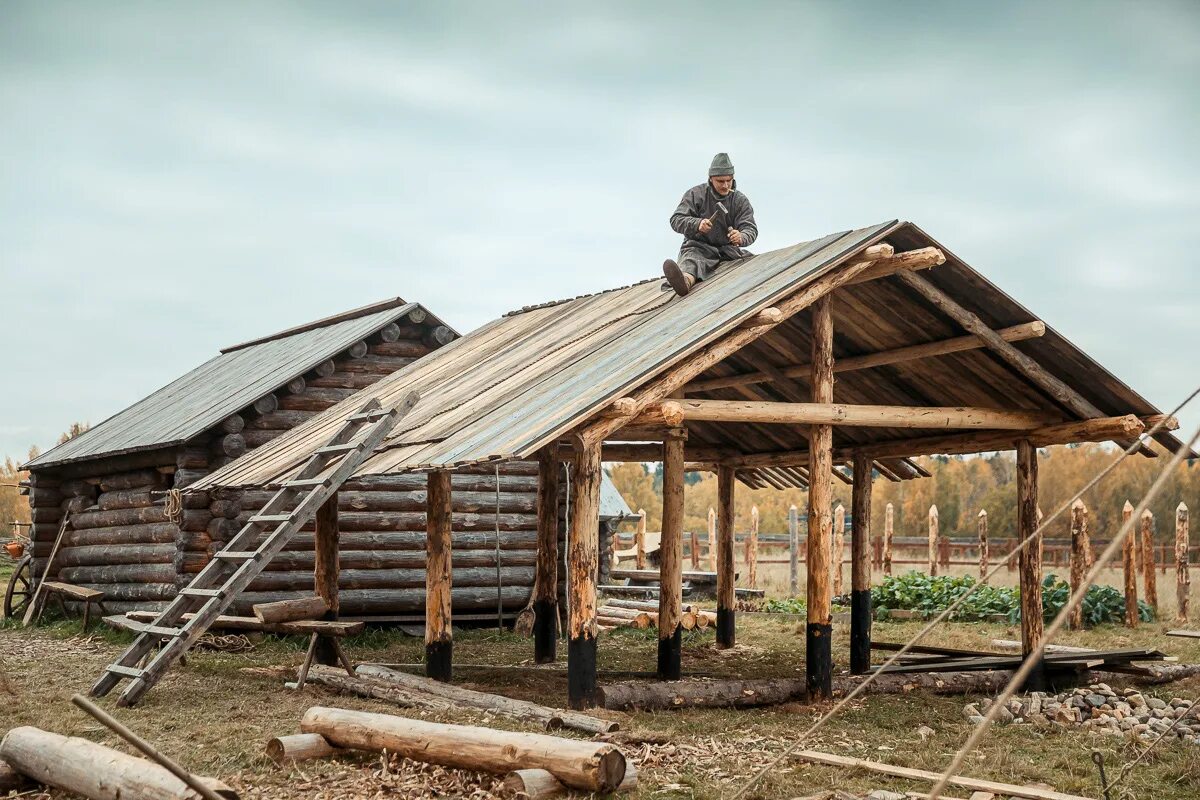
pixel 680 281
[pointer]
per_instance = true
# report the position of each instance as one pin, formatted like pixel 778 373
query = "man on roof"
pixel 717 222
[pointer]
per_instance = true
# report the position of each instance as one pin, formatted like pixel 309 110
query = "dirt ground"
pixel 216 714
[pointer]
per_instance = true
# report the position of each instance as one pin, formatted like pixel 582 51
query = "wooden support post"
pixel 933 541
pixel 860 567
pixel 725 572
pixel 583 558
pixel 439 641
pixel 752 549
pixel 1149 562
pixel 1031 563
pixel 983 544
pixel 839 548
pixel 819 628
pixel 325 573
pixel 793 551
pixel 694 545
pixel 1079 557
pixel 670 551
pixel 1129 564
pixel 889 528
pixel 712 538
pixel 545 583
pixel 1183 581
pixel 639 539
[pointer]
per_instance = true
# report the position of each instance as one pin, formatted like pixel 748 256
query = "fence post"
pixel 839 547
pixel 887 539
pixel 694 544
pixel 793 551
pixel 639 539
pixel 933 541
pixel 1183 581
pixel 1129 563
pixel 1079 555
pixel 712 538
pixel 1149 579
pixel 752 548
pixel 983 544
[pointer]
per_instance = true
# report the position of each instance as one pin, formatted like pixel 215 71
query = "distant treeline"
pixel 13 506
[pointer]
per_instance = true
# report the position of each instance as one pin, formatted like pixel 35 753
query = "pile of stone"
pixel 1099 707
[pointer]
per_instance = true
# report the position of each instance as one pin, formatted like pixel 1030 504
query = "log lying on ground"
pixel 591 766
pixel 539 783
pixel 519 709
pixel 299 747
pixel 336 678
pixel 982 682
pixel 291 610
pixel 93 770
pixel 700 693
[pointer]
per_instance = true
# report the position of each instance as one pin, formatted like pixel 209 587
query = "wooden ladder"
pixel 230 571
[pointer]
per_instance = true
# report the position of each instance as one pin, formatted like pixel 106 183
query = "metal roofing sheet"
pixel 221 386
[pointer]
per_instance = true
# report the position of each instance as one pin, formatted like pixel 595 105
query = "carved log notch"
pixel 583 557
pixel 439 642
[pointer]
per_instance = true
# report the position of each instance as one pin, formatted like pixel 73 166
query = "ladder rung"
pixel 237 555
pixel 338 448
pixel 301 483
pixel 158 630
pixel 190 592
pixel 369 415
pixel 270 517
pixel 128 672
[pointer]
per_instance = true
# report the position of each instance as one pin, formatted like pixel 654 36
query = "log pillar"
pixel 983 544
pixel 793 551
pixel 583 557
pixel 1149 562
pixel 545 584
pixel 1079 551
pixel 818 647
pixel 933 541
pixel 439 641
pixel 726 602
pixel 1030 558
pixel 1129 565
pixel 889 528
pixel 752 550
pixel 839 547
pixel 670 553
pixel 325 573
pixel 860 567
pixel 1183 581
pixel 712 538
pixel 639 540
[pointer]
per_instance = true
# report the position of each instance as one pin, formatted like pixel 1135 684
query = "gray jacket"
pixel 700 202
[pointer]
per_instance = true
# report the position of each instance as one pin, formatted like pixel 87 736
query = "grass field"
pixel 216 714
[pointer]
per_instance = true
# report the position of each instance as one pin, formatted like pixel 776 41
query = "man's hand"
pixel 735 237
pixel 705 225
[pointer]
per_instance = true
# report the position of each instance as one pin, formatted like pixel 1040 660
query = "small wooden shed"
pixel 131 537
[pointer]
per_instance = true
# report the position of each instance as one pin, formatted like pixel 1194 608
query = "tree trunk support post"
pixel 860 567
pixel 889 529
pixel 325 574
pixel 983 543
pixel 726 602
pixel 439 641
pixel 1129 565
pixel 1079 557
pixel 545 601
pixel 1149 562
pixel 670 582
pixel 793 551
pixel 1183 581
pixel 819 628
pixel 1030 558
pixel 583 558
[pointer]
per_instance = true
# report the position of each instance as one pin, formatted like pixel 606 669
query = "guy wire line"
pixel 1035 657
pixel 944 615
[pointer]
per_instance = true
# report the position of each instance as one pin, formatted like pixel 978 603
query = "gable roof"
pixel 526 379
pixel 224 385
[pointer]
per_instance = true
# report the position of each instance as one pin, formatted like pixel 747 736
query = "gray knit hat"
pixel 721 165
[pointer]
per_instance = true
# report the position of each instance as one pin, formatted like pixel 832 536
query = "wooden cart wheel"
pixel 20 588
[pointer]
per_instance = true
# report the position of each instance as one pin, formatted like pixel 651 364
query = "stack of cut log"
pixel 537 764
pixel 618 613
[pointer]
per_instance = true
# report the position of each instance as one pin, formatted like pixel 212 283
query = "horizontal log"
pixel 590 766
pixel 358 350
pixel 222 529
pixel 228 509
pixel 291 610
pixel 186 477
pixel 266 404
pixel 463 577
pixel 132 498
pixel 296 385
pixel 93 555
pixel 337 628
pixel 92 770
pixel 696 693
pixel 192 457
pixel 314 399
pixel 75 505
pixel 369 541
pixel 231 445
pixel 344 380
pixel 49 515
pixel 957 344
pixel 908 261
pixel 410 521
pixel 375 365
pixel 119 573
pixel 299 565
pixel 459 482
pixel 45 496
pixel 137 479
pixel 76 486
pixel 234 423
pixel 417 316
pixel 462 502
pixel 120 516
pixel 398 601
pixel 280 420
pixel 259 438
pixel 142 533
pixel 284 750
pixel 408 349
pixel 764 412
pixel 132 592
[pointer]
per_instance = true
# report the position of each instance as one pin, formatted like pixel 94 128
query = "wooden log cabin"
pixel 113 482
pixel 737 377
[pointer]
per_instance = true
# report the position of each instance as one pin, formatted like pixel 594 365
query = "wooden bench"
pixel 83 595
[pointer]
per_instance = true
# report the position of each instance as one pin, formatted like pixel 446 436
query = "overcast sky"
pixel 174 180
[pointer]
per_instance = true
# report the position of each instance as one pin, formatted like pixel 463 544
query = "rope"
pixel 174 508
pixel 944 615
pixel 1035 657
pixel 499 579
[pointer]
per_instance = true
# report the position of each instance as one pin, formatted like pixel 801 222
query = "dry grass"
pixel 216 714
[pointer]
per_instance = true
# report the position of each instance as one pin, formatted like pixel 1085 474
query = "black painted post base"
pixel 581 673
pixel 439 660
pixel 860 631
pixel 670 655
pixel 545 631
pixel 1036 680
pixel 725 627
pixel 819 660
